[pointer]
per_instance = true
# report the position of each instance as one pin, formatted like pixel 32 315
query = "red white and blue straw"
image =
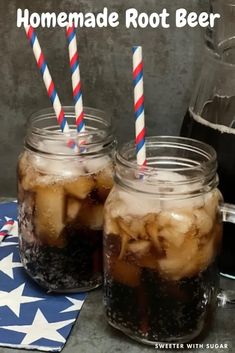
pixel 76 78
pixel 51 91
pixel 4 231
pixel 139 105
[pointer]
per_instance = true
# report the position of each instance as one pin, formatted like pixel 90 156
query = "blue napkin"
pixel 29 317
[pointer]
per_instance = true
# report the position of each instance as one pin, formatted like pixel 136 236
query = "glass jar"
pixel 211 114
pixel 162 235
pixel 61 196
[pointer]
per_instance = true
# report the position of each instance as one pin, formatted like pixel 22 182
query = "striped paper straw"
pixel 76 78
pixel 50 87
pixel 139 105
pixel 4 231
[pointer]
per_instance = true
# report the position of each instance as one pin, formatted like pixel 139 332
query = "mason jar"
pixel 61 193
pixel 162 236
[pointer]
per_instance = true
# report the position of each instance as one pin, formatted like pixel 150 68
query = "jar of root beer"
pixel 162 236
pixel 61 196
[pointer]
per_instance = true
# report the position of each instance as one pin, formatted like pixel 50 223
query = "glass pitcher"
pixel 211 114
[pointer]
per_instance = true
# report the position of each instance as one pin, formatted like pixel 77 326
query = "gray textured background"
pixel 172 58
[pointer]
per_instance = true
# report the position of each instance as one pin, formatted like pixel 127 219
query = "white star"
pixel 40 328
pixel 14 229
pixel 77 305
pixel 15 298
pixel 7 265
pixel 8 243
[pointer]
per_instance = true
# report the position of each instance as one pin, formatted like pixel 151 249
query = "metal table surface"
pixel 91 333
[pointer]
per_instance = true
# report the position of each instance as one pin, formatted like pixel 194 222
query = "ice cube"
pixel 139 248
pixel 94 165
pixel 58 167
pixel 137 228
pixel 203 221
pixel 212 203
pixel 129 203
pixel 72 208
pixel 150 218
pixel 110 225
pixel 180 262
pixel 183 204
pixel 124 226
pixel 104 183
pixel 134 227
pixel 55 147
pixel 37 170
pixel 174 226
pixel 153 233
pixel 29 178
pixel 115 205
pixel 80 187
pixel 49 212
pixel 91 215
pixel 124 244
pixel 125 273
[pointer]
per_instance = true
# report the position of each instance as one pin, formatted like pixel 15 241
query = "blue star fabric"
pixel 29 317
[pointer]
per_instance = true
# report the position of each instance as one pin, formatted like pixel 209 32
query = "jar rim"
pixel 43 125
pixel 216 52
pixel 202 171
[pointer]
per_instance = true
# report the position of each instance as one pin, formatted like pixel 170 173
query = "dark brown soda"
pixel 74 264
pixel 158 309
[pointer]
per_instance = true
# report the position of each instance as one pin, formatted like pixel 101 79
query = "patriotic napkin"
pixel 29 317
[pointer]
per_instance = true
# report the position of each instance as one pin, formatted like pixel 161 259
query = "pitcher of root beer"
pixel 162 235
pixel 211 115
pixel 61 196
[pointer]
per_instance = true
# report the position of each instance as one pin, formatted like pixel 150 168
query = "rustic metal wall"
pixel 172 58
